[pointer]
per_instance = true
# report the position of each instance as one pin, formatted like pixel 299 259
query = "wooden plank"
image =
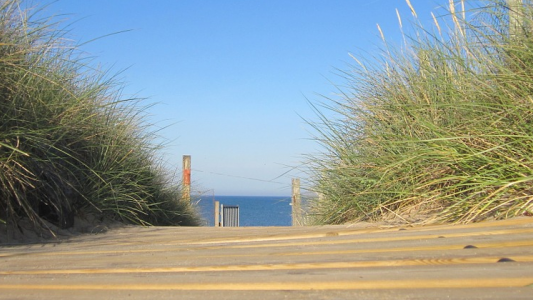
pixel 269 286
pixel 275 267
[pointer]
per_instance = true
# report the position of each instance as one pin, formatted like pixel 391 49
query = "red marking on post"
pixel 187 176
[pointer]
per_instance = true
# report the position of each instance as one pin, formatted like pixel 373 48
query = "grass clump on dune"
pixel 69 143
pixel 439 130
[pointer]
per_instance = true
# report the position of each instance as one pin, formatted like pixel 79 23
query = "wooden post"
pixel 186 178
pixel 296 203
pixel 515 14
pixel 221 215
pixel 217 214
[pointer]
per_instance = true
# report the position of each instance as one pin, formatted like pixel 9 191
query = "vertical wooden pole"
pixel 296 203
pixel 217 214
pixel 186 178
pixel 515 11
pixel 221 215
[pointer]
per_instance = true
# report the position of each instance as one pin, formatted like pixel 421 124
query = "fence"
pixel 229 216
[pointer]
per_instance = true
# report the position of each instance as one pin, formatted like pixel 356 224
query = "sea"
pixel 253 210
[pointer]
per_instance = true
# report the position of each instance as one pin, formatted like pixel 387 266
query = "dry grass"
pixel 69 142
pixel 440 130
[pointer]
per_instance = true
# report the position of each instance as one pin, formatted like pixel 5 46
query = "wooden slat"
pixel 269 286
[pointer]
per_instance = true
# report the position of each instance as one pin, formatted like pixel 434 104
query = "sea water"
pixel 253 210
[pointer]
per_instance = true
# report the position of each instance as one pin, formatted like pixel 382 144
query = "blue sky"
pixel 231 79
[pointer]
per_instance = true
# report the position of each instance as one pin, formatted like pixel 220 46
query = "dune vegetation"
pixel 70 143
pixel 438 129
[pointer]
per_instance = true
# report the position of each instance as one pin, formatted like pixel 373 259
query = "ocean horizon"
pixel 253 210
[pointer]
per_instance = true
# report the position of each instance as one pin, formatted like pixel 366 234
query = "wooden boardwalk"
pixel 490 260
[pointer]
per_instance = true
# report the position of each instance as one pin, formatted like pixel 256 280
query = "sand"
pixel 24 232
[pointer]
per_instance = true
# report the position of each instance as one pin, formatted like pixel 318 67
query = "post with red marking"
pixel 296 200
pixel 186 195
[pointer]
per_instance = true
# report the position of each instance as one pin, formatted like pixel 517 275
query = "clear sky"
pixel 231 79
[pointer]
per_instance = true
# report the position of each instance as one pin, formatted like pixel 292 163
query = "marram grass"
pixel 438 130
pixel 70 144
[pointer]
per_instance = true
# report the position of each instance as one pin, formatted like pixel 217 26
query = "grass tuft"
pixel 69 142
pixel 438 130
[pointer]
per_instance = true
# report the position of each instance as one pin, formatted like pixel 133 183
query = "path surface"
pixel 332 262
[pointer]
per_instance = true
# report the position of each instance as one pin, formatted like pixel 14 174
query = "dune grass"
pixel 440 129
pixel 70 143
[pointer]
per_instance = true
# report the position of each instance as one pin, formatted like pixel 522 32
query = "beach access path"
pixel 487 260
